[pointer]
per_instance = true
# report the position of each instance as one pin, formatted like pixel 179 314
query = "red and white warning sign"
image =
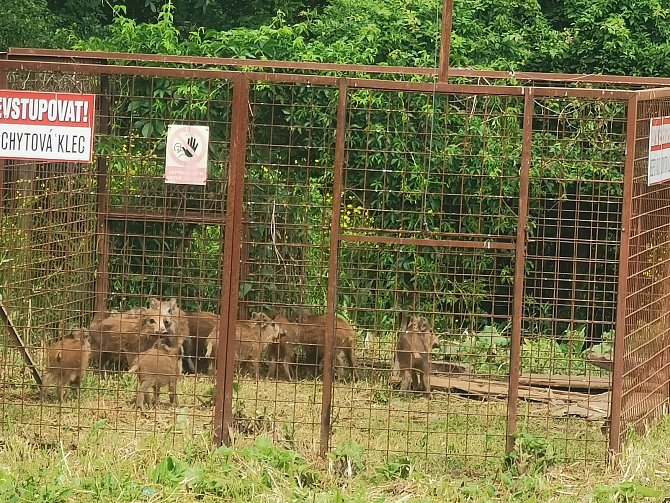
pixel 46 126
pixel 659 150
pixel 186 154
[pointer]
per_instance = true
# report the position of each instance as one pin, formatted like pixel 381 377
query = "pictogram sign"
pixel 186 154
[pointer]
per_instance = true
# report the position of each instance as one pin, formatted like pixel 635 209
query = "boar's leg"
pixel 189 366
pixel 173 392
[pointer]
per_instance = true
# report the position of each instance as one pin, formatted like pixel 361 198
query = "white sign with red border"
pixel 186 154
pixel 659 150
pixel 46 126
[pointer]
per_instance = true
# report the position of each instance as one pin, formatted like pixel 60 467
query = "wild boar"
pixel 200 325
pixel 282 352
pixel 157 367
pixel 123 336
pixel 67 362
pixel 176 323
pixel 313 338
pixel 415 344
pixel 252 337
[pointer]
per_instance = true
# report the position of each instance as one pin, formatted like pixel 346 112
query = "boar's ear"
pixel 154 303
pixel 264 318
pixel 255 316
pixel 172 303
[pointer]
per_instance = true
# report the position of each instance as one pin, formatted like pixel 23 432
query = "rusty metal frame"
pixel 519 269
pixel 231 262
pixel 32 54
pixel 358 83
pixel 622 287
pixel 234 217
pixel 445 39
pixel 329 349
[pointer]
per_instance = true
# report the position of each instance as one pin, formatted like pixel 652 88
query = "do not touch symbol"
pixel 186 154
pixel 187 149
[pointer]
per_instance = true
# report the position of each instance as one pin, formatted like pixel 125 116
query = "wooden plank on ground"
pixel 594 383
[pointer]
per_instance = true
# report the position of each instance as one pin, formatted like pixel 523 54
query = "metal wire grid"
pixel 573 263
pixel 645 357
pixel 292 146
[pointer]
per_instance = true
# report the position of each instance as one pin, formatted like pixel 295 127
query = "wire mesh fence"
pixel 421 270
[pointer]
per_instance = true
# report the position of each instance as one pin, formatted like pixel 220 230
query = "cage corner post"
pixel 616 404
pixel 519 266
pixel 230 274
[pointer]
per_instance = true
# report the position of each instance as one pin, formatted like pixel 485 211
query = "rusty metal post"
pixel 622 286
pixel 102 275
pixel 519 265
pixel 329 349
pixel 445 40
pixel 230 283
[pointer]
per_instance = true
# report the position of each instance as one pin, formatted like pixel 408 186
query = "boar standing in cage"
pixel 157 367
pixel 67 361
pixel 121 337
pixel 313 338
pixel 413 353
pixel 253 337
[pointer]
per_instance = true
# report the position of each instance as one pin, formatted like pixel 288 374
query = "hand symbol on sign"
pixel 193 144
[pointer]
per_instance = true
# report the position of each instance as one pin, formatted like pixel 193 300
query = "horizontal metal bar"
pixel 569 78
pixel 22 53
pixel 186 217
pixel 444 243
pixel 653 94
pixel 384 85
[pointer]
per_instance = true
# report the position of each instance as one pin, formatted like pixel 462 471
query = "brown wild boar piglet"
pixel 313 338
pixel 67 361
pixel 123 336
pixel 282 352
pixel 157 367
pixel 252 337
pixel 200 325
pixel 415 344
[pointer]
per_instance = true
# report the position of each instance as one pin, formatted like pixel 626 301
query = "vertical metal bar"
pixel 230 284
pixel 244 267
pixel 519 264
pixel 445 40
pixel 102 276
pixel 622 286
pixel 329 349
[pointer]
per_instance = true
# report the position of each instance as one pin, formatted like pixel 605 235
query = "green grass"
pixel 385 447
pixel 179 466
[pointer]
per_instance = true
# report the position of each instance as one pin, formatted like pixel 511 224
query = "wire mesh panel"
pixel 286 233
pixel 47 272
pixel 428 221
pixel 646 357
pixel 576 196
pixel 165 239
pixel 107 246
pixel 384 225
